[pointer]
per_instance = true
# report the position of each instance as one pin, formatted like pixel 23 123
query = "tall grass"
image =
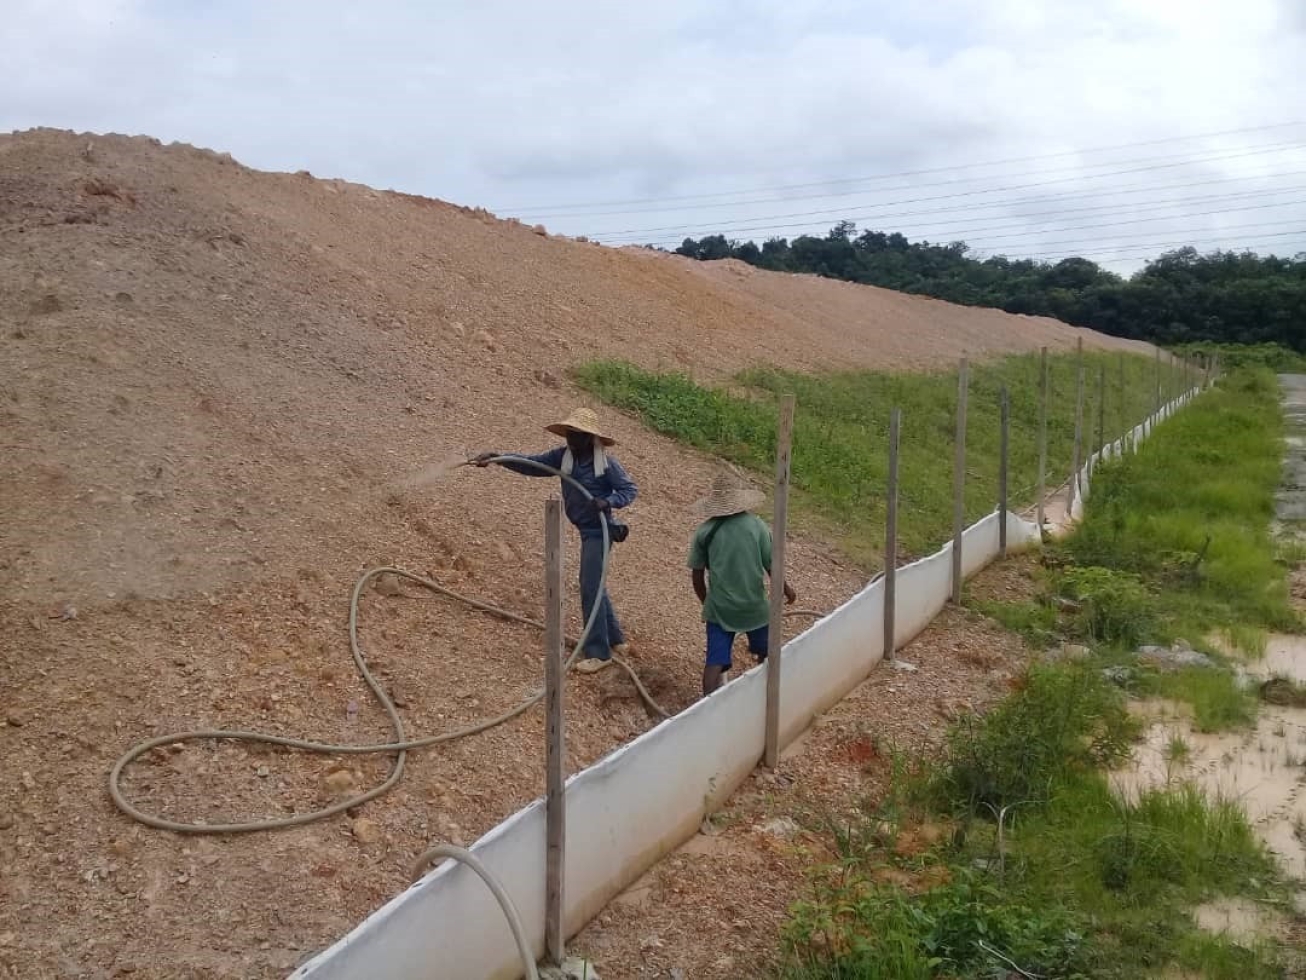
pixel 1191 511
pixel 1047 869
pixel 841 433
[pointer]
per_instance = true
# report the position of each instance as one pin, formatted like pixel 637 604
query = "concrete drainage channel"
pixel 634 806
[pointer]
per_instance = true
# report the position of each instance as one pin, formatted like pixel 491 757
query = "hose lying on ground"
pixel 399 746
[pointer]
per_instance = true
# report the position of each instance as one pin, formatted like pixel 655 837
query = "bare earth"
pixel 216 388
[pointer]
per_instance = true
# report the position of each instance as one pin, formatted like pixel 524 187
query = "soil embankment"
pixel 215 387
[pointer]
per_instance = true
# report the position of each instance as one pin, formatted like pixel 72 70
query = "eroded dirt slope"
pixel 214 385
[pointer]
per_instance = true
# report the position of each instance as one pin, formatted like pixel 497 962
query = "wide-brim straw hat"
pixel 581 420
pixel 728 496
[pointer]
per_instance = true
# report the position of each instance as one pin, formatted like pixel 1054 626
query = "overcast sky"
pixel 649 122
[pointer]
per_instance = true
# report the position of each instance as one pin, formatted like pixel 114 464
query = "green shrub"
pixel 1114 607
pixel 1064 720
pixel 858 929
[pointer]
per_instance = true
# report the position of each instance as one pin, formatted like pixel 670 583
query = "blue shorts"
pixel 720 641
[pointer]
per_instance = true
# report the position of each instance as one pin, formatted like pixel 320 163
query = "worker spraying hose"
pixel 585 459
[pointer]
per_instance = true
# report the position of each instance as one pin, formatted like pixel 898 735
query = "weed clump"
pixel 1113 608
pixel 1065 720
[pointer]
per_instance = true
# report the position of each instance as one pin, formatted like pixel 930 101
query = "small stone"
pixel 366 831
pixel 547 379
pixel 339 782
pixel 15 719
pixel 262 772
pixel 1120 676
pixel 49 303
pixel 904 665
pixel 388 585
pixel 781 827
pixel 29 782
pixel 572 968
pixel 6 821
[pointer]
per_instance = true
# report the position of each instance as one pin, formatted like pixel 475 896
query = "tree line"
pixel 1180 297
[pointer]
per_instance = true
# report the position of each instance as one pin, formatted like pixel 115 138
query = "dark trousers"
pixel 606 633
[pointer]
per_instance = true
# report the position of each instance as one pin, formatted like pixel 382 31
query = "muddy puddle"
pixel 1263 768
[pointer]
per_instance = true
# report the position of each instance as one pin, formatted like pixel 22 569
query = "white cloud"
pixel 515 102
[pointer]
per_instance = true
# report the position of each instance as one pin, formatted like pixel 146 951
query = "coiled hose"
pixel 400 745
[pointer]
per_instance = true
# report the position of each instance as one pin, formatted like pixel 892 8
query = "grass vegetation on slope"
pixel 1176 544
pixel 841 433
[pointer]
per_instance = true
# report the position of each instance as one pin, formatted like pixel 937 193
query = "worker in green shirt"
pixel 729 561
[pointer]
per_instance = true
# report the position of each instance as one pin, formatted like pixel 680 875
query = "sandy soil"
pixel 216 386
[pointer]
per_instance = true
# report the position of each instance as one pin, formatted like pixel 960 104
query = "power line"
pixel 906 173
pixel 1022 220
pixel 1180 160
pixel 1300 229
pixel 1026 231
pixel 1135 252
pixel 919 200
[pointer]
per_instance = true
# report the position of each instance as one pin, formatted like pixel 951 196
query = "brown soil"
pixel 215 388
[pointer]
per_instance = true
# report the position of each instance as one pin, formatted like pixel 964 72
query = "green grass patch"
pixel 1247 639
pixel 1064 721
pixel 840 459
pixel 1176 544
pixel 1047 870
pixel 1218 703
pixel 1034 621
pixel 1190 514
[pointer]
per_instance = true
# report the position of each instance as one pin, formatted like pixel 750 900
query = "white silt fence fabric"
pixel 648 797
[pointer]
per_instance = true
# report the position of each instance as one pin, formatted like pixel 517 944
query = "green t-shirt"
pixel 737 597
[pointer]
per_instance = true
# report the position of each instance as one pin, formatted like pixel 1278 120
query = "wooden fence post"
pixel 1101 413
pixel 1042 435
pixel 784 449
pixel 959 479
pixel 1004 424
pixel 555 806
pixel 1157 409
pixel 1079 438
pixel 1122 409
pixel 891 539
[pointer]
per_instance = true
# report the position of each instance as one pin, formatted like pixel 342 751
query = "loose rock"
pixel 572 968
pixel 365 830
pixel 388 585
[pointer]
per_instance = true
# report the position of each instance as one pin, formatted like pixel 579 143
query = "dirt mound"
pixel 223 394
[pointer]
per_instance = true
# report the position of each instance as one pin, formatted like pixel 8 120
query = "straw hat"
pixel 581 420
pixel 728 496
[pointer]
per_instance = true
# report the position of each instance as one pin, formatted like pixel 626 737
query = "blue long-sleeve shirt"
pixel 615 486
